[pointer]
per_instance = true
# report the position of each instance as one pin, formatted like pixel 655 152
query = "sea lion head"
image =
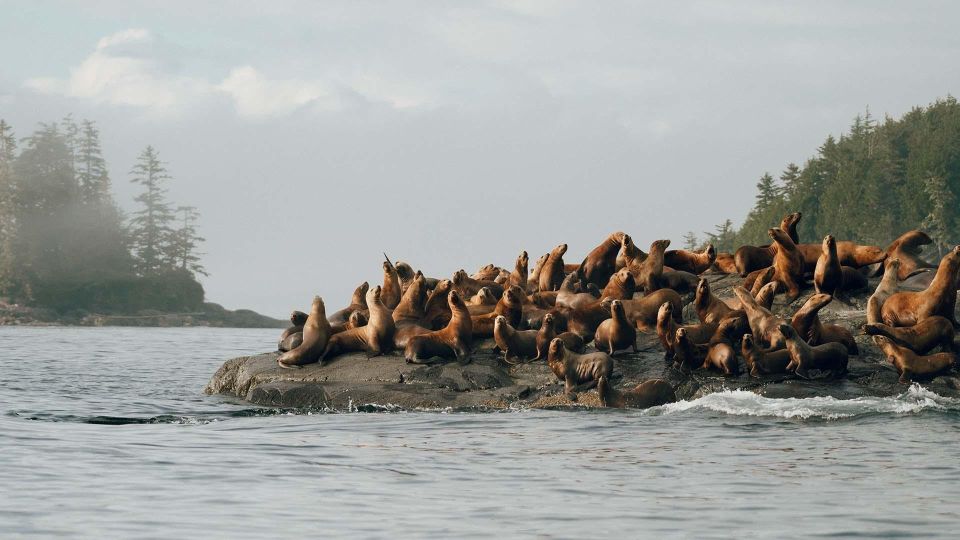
pixel 787 331
pixel 454 299
pixel 542 260
pixel 681 334
pixel 616 308
pixel 459 276
pixel 742 294
pixel 711 252
pixel 625 278
pixel 791 219
pixel 829 243
pixel 374 294
pixel 443 286
pixel 556 349
pixel 560 250
pixel 513 295
pixel 547 320
pixel 703 290
pixel 892 264
pixel 523 259
pixel 356 320
pixel 728 325
pixel 746 344
pixel 298 318
pixel 499 321
pixel 404 271
pixel 605 302
pixel 665 312
pixel 486 295
pixel 818 300
pixel 317 308
pixel 660 244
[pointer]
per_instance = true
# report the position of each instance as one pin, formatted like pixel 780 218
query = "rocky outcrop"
pixel 486 382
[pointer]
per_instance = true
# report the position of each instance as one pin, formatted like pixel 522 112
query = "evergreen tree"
pixel 724 237
pixel 790 180
pixel 8 222
pixel 185 241
pixel 767 193
pixel 91 168
pixel 690 241
pixel 151 226
pixel 938 221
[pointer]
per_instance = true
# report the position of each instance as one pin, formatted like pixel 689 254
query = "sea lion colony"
pixel 554 311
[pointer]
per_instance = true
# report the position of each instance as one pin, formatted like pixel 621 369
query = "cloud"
pixel 257 97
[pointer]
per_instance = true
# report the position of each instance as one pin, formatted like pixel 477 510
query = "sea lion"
pixel 616 333
pixel 803 357
pixel 725 263
pixel 850 254
pixel 533 282
pixel 356 320
pixel 452 342
pixel 682 282
pixel 519 275
pixel 921 338
pixel 763 363
pixel 886 288
pixel 297 320
pixel 787 263
pixel 648 274
pixel 806 321
pixel 411 307
pixel 709 308
pixel 601 262
pixel 316 332
pixel 764 325
pixel 487 272
pixel 827 275
pixel 720 352
pixel 584 320
pixel 690 261
pixel 620 287
pixel 750 258
pixel 358 302
pixel 391 285
pixel 912 366
pixel 687 356
pixel 907 308
pixel 579 372
pixel 553 273
pixel 764 297
pixel 510 306
pixel 467 286
pixel 667 330
pixel 376 337
pixel 548 331
pixel 629 253
pixel 437 310
pixel 483 298
pixel 645 395
pixel 643 311
pixel 758 278
pixel 907 248
pixel 568 297
pixel 514 343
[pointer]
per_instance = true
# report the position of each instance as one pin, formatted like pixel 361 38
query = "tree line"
pixel 870 185
pixel 64 242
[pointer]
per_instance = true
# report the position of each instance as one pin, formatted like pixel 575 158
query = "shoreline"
pixel 213 315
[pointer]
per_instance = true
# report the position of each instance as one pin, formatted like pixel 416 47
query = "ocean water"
pixel 105 433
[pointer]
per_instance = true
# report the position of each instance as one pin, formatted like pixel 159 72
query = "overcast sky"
pixel 313 136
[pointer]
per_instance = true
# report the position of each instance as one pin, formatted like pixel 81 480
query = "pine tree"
pixel 767 193
pixel 151 226
pixel 937 223
pixel 724 236
pixel 185 241
pixel 690 241
pixel 91 168
pixel 8 221
pixel 790 180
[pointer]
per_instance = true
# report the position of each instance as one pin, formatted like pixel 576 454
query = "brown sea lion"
pixel 391 285
pixel 758 278
pixel 907 308
pixel 297 320
pixel 765 295
pixel 687 356
pixel 568 295
pixel 411 307
pixel 827 275
pixel 584 320
pixel 467 286
pixel 452 342
pixel 616 333
pixel 520 275
pixel 667 330
pixel 907 248
pixel 806 321
pixel 763 363
pixel 764 325
pixel 510 306
pixel 533 282
pixel 750 258
pixel 601 262
pixel 803 357
pixel 850 254
pixel 437 311
pixel 645 395
pixel 643 311
pixel 514 343
pixel 787 263
pixel 649 274
pixel 579 372
pixel 709 308
pixel 483 298
pixel 682 282
pixel 921 338
pixel 356 320
pixel 487 272
pixel 690 261
pixel 720 352
pixel 376 337
pixel 853 279
pixel 886 288
pixel 620 287
pixel 553 273
pixel 629 253
pixel 725 263
pixel 912 366
pixel 548 331
pixel 316 332
pixel 358 302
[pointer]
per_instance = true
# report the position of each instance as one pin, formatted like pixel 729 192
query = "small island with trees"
pixel 69 255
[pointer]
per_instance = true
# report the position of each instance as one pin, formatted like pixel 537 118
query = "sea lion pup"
pixel 709 308
pixel 616 333
pixel 763 363
pixel 629 253
pixel 667 330
pixel 391 285
pixel 376 337
pixel 316 333
pixel 907 248
pixel 519 275
pixel 912 366
pixel 886 288
pixel 533 282
pixel 514 343
pixel 548 331
pixel 803 357
pixel 620 287
pixel 806 321
pixel 787 263
pixel 483 298
pixel 552 274
pixel 643 311
pixel 921 338
pixel 645 395
pixel 510 306
pixel 579 372
pixel 749 258
pixel 437 310
pixel 568 297
pixel 649 273
pixel 720 352
pixel 690 261
pixel 725 264
pixel 452 342
pixel 601 262
pixel 356 320
pixel 358 302
pixel 467 286
pixel 764 325
pixel 907 308
pixel 297 320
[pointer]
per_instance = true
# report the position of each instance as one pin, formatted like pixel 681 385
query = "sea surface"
pixel 106 433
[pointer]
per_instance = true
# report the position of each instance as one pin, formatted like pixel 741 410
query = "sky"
pixel 314 136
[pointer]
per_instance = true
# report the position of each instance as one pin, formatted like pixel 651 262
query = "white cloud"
pixel 257 97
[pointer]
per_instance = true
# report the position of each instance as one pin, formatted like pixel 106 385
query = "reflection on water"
pixel 106 433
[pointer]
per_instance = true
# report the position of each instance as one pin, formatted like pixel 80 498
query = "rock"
pixel 354 381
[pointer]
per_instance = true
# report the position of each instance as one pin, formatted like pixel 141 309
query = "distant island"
pixel 69 255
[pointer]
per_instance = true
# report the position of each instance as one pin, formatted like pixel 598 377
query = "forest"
pixel 880 179
pixel 66 245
